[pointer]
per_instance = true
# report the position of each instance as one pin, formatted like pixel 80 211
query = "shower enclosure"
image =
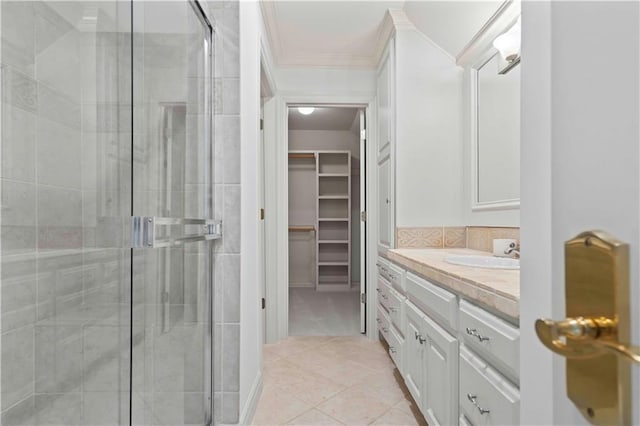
pixel 106 216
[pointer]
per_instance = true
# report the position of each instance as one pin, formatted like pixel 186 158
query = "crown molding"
pixel 394 19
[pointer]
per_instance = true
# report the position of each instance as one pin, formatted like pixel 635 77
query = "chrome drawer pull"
pixel 392 349
pixel 385 297
pixel 392 309
pixel 421 339
pixel 378 290
pixel 385 329
pixel 473 332
pixel 378 320
pixel 416 334
pixel 474 401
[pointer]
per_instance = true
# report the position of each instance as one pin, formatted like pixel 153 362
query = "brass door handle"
pixel 584 338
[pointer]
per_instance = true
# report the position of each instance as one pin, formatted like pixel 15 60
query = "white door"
pixel 363 223
pixel 580 170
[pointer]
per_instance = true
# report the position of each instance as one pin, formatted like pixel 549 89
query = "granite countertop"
pixel 495 288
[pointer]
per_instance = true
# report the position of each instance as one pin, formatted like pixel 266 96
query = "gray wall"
pixel 227 208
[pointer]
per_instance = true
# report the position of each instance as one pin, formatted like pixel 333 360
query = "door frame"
pixel 276 167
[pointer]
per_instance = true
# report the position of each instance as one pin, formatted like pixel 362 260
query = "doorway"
pixel 325 198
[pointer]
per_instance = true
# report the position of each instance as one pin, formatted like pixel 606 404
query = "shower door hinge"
pixel 363 216
pixel 264 303
pixel 261 214
pixel 363 297
pixel 261 124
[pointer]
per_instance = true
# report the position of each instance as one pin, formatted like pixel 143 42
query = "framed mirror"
pixel 492 63
pixel 496 135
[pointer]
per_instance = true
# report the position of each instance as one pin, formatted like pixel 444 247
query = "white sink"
pixel 484 261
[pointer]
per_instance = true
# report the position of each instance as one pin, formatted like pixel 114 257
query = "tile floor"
pixel 323 313
pixel 324 380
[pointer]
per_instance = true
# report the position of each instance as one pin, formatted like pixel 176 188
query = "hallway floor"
pixel 320 313
pixel 332 381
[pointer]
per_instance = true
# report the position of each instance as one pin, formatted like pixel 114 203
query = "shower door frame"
pixel 208 400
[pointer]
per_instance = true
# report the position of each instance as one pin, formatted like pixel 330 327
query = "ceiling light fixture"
pixel 305 110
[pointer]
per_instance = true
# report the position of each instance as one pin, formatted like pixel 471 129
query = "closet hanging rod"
pixel 302 155
pixel 302 229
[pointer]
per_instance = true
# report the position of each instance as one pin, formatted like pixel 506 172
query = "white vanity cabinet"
pixel 390 310
pixel 459 361
pixel 385 136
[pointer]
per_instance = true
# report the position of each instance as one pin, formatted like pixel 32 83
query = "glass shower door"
pixel 172 207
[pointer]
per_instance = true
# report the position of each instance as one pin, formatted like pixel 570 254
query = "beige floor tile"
pixel 395 417
pixel 354 408
pixel 314 417
pixel 269 354
pixel 290 346
pixel 276 407
pixel 382 385
pixel 283 373
pixel 409 407
pixel 314 390
pixel 346 372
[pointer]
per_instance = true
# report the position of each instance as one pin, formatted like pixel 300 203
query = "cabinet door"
pixel 383 105
pixel 384 203
pixel 414 362
pixel 440 404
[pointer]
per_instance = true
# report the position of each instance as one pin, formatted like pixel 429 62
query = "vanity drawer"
pixel 396 309
pixel 396 346
pixel 433 299
pixel 383 292
pixel 482 388
pixel 392 273
pixel 491 337
pixel 397 278
pixel 384 323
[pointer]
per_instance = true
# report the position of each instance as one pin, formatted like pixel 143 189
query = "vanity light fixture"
pixel 508 44
pixel 305 110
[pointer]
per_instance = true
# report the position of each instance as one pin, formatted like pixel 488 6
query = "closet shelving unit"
pixel 334 222
pixel 302 212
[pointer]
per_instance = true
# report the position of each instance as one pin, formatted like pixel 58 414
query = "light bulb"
pixel 508 44
pixel 306 110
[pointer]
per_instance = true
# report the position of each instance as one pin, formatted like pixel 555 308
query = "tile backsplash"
pixel 473 237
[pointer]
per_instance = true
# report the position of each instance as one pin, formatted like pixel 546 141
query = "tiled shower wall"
pixel 65 297
pixel 226 366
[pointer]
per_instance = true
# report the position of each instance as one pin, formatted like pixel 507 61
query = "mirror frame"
pixel 477 52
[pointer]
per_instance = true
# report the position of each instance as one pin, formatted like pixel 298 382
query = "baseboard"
pixel 246 416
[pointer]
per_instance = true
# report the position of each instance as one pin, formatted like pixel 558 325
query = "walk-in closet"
pixel 324 220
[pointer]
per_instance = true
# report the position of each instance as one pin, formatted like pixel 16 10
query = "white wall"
pixel 250 293
pixel 428 133
pixel 325 81
pixel 580 164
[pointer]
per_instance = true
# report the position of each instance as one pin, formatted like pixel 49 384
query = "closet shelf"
pixel 302 155
pixel 302 229
pixel 333 175
pixel 333 242
pixel 333 197
pixel 329 219
pixel 333 263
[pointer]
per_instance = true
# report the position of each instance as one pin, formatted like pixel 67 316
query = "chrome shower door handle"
pixel 144 231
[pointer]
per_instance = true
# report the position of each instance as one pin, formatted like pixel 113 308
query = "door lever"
pixel 584 337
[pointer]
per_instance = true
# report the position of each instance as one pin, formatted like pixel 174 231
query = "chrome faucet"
pixel 513 248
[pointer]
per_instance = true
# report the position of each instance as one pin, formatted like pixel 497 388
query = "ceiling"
pixel 326 118
pixel 351 34
pixel 326 33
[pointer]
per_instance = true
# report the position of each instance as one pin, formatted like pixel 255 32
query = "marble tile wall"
pixel 473 237
pixel 228 188
pixel 64 295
